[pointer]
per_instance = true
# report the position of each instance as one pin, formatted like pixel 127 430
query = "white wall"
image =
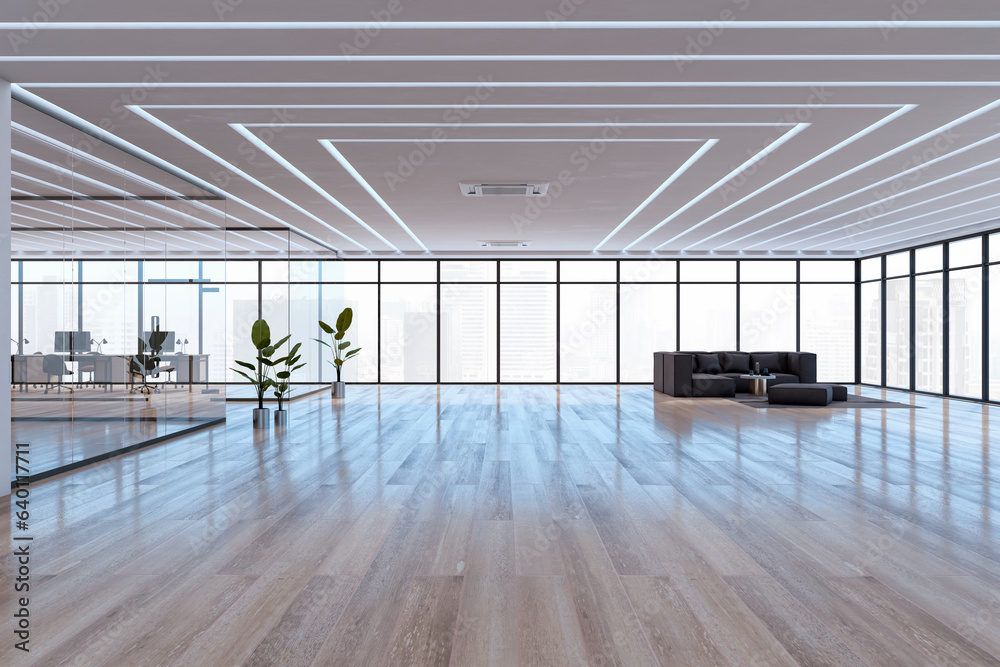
pixel 5 461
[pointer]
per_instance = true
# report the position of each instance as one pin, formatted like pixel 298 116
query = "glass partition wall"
pixel 92 230
pixel 928 318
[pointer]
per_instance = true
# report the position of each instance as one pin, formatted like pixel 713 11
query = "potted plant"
pixel 260 336
pixel 338 345
pixel 281 384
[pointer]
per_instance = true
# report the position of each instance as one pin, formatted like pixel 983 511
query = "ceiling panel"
pixel 685 128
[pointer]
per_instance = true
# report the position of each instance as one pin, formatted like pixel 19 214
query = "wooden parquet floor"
pixel 528 525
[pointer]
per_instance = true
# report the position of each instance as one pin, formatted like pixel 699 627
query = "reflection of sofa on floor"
pixel 718 373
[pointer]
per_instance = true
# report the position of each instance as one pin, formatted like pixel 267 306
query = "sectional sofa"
pixel 718 373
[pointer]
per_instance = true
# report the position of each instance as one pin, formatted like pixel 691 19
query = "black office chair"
pixel 54 367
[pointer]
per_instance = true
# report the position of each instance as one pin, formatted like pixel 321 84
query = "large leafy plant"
pixel 145 363
pixel 291 362
pixel 337 342
pixel 260 373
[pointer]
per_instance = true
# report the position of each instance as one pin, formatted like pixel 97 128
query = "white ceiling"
pixel 796 128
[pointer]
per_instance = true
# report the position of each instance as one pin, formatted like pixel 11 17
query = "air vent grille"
pixel 503 244
pixel 504 189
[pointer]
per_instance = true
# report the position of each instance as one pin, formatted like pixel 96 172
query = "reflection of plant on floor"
pixel 260 336
pixel 142 364
pixel 337 342
pixel 291 362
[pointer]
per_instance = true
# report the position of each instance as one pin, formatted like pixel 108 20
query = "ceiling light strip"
pixel 118 170
pixel 767 150
pixel 110 188
pixel 802 167
pixel 923 202
pixel 510 84
pixel 919 167
pixel 34 101
pixel 936 223
pixel 894 197
pixel 513 106
pixel 910 24
pixel 986 224
pixel 656 193
pixel 450 125
pixel 183 138
pixel 292 169
pixel 67 230
pixel 369 189
pixel 899 149
pixel 109 204
pixel 518 57
pixel 584 140
pixel 19 93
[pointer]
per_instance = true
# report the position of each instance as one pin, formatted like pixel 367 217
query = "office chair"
pixel 91 368
pixel 54 367
pixel 139 375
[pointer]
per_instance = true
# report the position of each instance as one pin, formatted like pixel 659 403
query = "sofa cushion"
pixel 781 378
pixel 742 384
pixel 707 363
pixel 705 384
pixel 768 360
pixel 735 362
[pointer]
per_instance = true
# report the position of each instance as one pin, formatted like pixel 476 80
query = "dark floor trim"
pixel 272 399
pixel 118 452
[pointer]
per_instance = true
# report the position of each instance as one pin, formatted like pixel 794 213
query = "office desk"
pixel 26 369
pixel 108 368
pixel 191 368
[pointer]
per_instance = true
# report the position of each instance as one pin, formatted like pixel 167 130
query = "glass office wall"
pixel 100 321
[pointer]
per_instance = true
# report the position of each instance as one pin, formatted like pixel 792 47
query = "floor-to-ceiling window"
pixel 767 300
pixel 708 305
pixel 871 321
pixel 827 317
pixel 466 320
pixel 928 317
pixel 939 332
pixel 469 293
pixel 528 316
pixel 647 315
pixel 588 318
pixel 897 321
pixel 965 318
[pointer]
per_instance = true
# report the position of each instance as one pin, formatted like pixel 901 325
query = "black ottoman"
pixel 800 394
pixel 839 392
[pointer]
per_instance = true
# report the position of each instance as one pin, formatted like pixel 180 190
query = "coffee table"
pixel 758 383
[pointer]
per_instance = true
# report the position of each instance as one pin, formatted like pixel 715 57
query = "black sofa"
pixel 718 373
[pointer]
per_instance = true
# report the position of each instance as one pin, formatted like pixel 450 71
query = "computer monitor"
pixel 168 343
pixel 72 341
